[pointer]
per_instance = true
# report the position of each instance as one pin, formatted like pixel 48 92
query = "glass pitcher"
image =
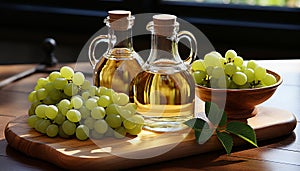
pixel 164 91
pixel 120 63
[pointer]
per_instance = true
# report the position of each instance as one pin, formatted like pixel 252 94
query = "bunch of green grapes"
pixel 65 104
pixel 230 71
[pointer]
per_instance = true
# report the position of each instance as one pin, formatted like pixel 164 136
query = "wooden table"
pixel 277 154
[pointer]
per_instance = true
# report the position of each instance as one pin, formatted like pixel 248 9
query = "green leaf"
pixel 214 114
pixel 223 121
pixel 202 135
pixel 243 131
pixel 201 129
pixel 226 141
pixel 195 123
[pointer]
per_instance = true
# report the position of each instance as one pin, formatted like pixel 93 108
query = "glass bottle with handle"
pixel 120 63
pixel 164 91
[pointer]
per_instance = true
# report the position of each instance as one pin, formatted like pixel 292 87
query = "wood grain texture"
pixel 144 149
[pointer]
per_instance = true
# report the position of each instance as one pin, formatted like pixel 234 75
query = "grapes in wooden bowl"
pixel 235 85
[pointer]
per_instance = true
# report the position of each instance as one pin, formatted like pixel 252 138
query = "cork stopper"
pixel 164 24
pixel 119 19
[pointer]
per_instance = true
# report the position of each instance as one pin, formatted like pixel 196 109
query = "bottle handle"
pixel 92 47
pixel 193 45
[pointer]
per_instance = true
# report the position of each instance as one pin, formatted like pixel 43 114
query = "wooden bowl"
pixel 239 104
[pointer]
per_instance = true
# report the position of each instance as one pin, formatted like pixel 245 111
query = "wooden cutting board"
pixel 147 148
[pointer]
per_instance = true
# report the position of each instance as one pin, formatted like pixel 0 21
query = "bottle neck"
pixel 120 39
pixel 164 51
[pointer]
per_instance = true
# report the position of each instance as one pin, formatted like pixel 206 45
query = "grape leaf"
pixel 214 114
pixel 195 123
pixel 203 135
pixel 226 141
pixel 223 121
pixel 201 129
pixel 243 131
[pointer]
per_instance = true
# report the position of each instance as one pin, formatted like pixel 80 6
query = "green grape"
pixel 85 95
pixel 52 130
pixel 223 82
pixel 71 89
pixel 269 79
pixel 86 85
pixel 97 135
pixel 53 75
pixel 251 64
pixel 198 65
pixel 238 61
pixel 60 83
pixel 213 82
pixel 109 92
pixel 90 103
pixel 31 120
pixel 230 69
pixel 199 76
pixel 73 115
pixel 104 101
pixel 211 59
pixel 101 91
pixel 95 97
pixel 217 72
pixel 43 126
pixel 37 123
pixel 223 62
pixel 54 94
pixel 239 78
pixel 131 107
pixel 41 94
pixel 135 131
pixel 76 102
pixel 110 132
pixel 245 86
pixel 49 86
pixel 138 119
pixel 93 90
pixel 216 54
pixel 40 110
pixel 98 112
pixel 51 112
pixel 122 99
pixel 41 82
pixel 59 119
pixel 33 107
pixel 68 127
pixel 64 105
pixel 112 109
pixel 61 133
pixel 260 72
pixel 120 132
pixel 230 55
pixel 85 112
pixel 113 120
pixel 101 126
pixel 250 74
pixel 66 72
pixel 89 122
pixel 232 85
pixel 78 78
pixel 125 113
pixel 82 132
pixel 129 124
pixel 209 70
pixel 32 97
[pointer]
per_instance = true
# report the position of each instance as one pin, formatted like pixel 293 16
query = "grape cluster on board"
pixel 230 71
pixel 65 104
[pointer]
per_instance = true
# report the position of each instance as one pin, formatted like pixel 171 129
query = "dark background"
pixel 255 32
